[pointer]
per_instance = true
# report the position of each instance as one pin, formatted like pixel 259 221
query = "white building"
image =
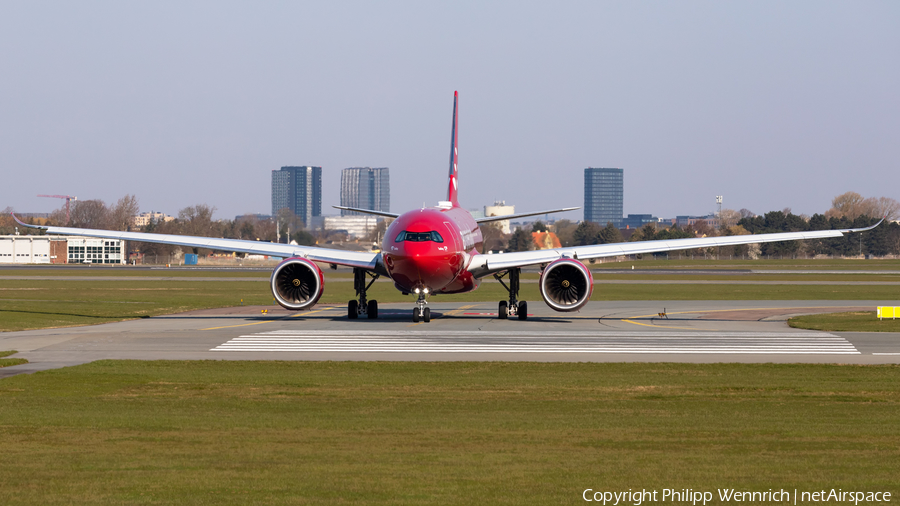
pixel 144 219
pixel 47 249
pixel 355 226
pixel 500 209
pixel 90 250
pixel 24 249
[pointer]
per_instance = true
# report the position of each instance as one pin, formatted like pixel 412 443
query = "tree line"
pixel 848 210
pixel 193 220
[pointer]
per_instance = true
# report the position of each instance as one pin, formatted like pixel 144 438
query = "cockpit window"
pixel 419 237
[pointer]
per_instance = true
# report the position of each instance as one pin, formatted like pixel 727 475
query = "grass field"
pixel 59 302
pixel 439 433
pixel 6 362
pixel 856 321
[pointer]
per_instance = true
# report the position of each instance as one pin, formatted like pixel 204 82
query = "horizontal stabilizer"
pixel 367 211
pixel 487 219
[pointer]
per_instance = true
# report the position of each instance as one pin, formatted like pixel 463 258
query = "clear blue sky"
pixel 771 104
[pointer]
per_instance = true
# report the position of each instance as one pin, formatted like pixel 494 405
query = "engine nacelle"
pixel 297 283
pixel 566 285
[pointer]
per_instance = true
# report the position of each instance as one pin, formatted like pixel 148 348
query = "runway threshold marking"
pixel 418 341
pixel 270 321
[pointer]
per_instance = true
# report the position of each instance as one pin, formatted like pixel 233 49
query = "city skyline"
pixel 772 104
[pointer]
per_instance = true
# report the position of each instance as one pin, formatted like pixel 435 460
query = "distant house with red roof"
pixel 545 240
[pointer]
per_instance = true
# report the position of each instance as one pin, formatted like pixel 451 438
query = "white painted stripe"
pixel 500 347
pixel 534 339
pixel 426 343
pixel 807 343
pixel 547 338
pixel 551 350
pixel 492 338
pixel 800 334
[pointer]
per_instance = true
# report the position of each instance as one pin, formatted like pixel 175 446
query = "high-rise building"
pixel 365 188
pixel 298 189
pixel 603 195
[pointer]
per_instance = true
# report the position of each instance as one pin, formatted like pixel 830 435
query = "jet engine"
pixel 566 285
pixel 297 283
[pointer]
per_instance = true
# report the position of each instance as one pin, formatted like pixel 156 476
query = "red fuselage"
pixel 431 248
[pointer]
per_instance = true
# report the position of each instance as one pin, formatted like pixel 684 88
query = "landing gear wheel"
pixel 426 317
pixel 416 315
pixel 355 307
pixel 512 307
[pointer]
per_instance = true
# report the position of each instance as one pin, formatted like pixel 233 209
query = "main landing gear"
pixel 514 307
pixel 361 306
pixel 422 311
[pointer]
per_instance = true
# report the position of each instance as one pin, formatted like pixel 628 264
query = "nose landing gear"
pixel 514 307
pixel 422 311
pixel 362 306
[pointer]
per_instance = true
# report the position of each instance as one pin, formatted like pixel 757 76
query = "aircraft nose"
pixel 414 266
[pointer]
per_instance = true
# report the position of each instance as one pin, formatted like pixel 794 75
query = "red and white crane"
pixel 68 198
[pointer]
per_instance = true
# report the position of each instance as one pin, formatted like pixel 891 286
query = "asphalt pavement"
pixel 620 331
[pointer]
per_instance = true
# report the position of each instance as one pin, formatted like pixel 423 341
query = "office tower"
pixel 365 188
pixel 603 196
pixel 298 189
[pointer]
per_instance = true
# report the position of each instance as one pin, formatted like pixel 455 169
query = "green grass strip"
pixel 6 362
pixel 439 433
pixel 857 321
pixel 43 303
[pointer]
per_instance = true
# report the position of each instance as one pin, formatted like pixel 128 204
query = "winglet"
pixel 454 153
pixel 25 224
pixel 847 230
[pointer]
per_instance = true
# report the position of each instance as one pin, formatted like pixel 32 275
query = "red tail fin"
pixel 451 191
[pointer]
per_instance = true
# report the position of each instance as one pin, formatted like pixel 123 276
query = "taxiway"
pixel 623 331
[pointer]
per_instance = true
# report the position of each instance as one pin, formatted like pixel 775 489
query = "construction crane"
pixel 68 198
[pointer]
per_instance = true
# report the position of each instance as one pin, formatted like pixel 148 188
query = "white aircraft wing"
pixel 482 265
pixel 360 259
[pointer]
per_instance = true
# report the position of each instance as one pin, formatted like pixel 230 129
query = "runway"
pixel 619 331
pixel 541 342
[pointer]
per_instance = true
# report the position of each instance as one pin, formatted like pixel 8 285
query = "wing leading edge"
pixel 367 211
pixel 482 265
pixel 360 259
pixel 488 219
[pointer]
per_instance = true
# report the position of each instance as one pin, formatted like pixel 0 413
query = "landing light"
pixel 425 290
pixel 417 290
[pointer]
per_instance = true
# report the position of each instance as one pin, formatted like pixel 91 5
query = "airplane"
pixel 438 250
